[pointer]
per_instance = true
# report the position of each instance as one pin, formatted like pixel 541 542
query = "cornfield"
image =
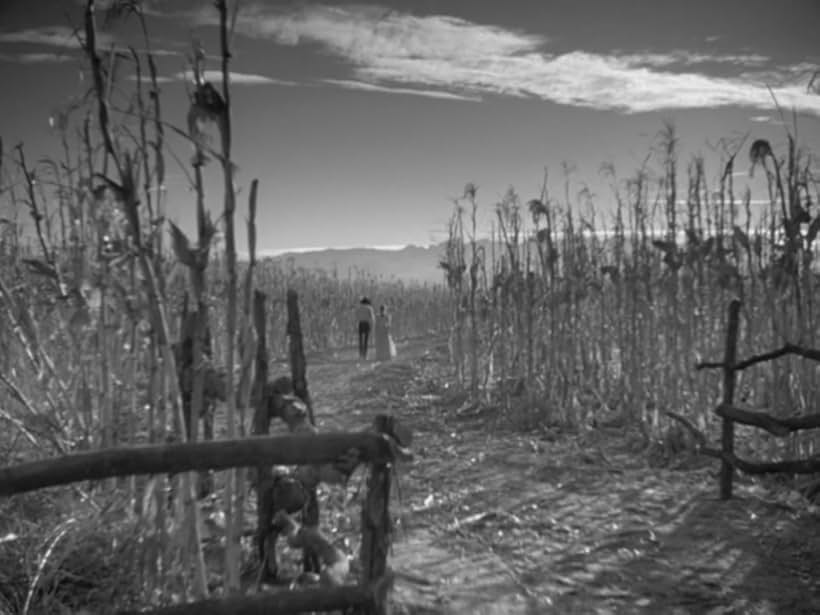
pixel 569 315
pixel 91 292
pixel 328 297
pixel 565 315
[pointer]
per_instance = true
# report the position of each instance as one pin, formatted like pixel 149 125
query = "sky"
pixel 362 121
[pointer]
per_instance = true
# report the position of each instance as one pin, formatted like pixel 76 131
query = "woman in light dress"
pixel 385 346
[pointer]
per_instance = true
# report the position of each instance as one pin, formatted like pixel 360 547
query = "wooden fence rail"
pixel 366 598
pixel 297 449
pixel 369 596
pixel 731 413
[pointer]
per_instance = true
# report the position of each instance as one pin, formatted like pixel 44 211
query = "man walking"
pixel 366 316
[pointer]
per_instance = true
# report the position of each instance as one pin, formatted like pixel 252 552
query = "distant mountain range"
pixel 408 264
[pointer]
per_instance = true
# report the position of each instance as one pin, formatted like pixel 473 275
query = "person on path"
pixel 366 317
pixel 385 347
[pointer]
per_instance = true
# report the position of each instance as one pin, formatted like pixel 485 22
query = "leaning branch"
pixel 807 353
pixel 812 354
pixel 775 426
pixel 795 466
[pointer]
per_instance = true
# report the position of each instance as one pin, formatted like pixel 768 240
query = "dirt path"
pixel 491 521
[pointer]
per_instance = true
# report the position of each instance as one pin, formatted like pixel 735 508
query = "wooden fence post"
pixel 297 353
pixel 376 536
pixel 729 380
pixel 260 427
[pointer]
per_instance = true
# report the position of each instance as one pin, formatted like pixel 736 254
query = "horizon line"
pixel 653 233
pixel 274 252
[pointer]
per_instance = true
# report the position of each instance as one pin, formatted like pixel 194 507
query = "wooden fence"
pixel 732 413
pixel 371 593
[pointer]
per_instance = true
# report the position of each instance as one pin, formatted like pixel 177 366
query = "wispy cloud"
pixel 371 87
pixel 362 31
pixel 53 36
pixel 768 119
pixel 146 78
pixel 36 58
pixel 215 76
pixel 681 57
pixel 154 8
pixel 390 49
pixel 166 53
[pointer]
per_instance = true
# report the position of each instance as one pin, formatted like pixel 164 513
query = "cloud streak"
pixel 53 36
pixel 682 57
pixel 237 78
pixel 389 50
pixel 147 79
pixel 36 58
pixel 370 87
pixel 69 39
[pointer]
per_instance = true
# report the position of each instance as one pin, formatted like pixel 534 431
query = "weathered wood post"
pixel 261 420
pixel 376 536
pixel 190 351
pixel 261 426
pixel 298 374
pixel 729 380
pixel 298 370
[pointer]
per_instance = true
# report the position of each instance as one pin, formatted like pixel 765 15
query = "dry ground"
pixel 491 520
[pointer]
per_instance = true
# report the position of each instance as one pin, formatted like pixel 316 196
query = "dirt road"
pixel 494 521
